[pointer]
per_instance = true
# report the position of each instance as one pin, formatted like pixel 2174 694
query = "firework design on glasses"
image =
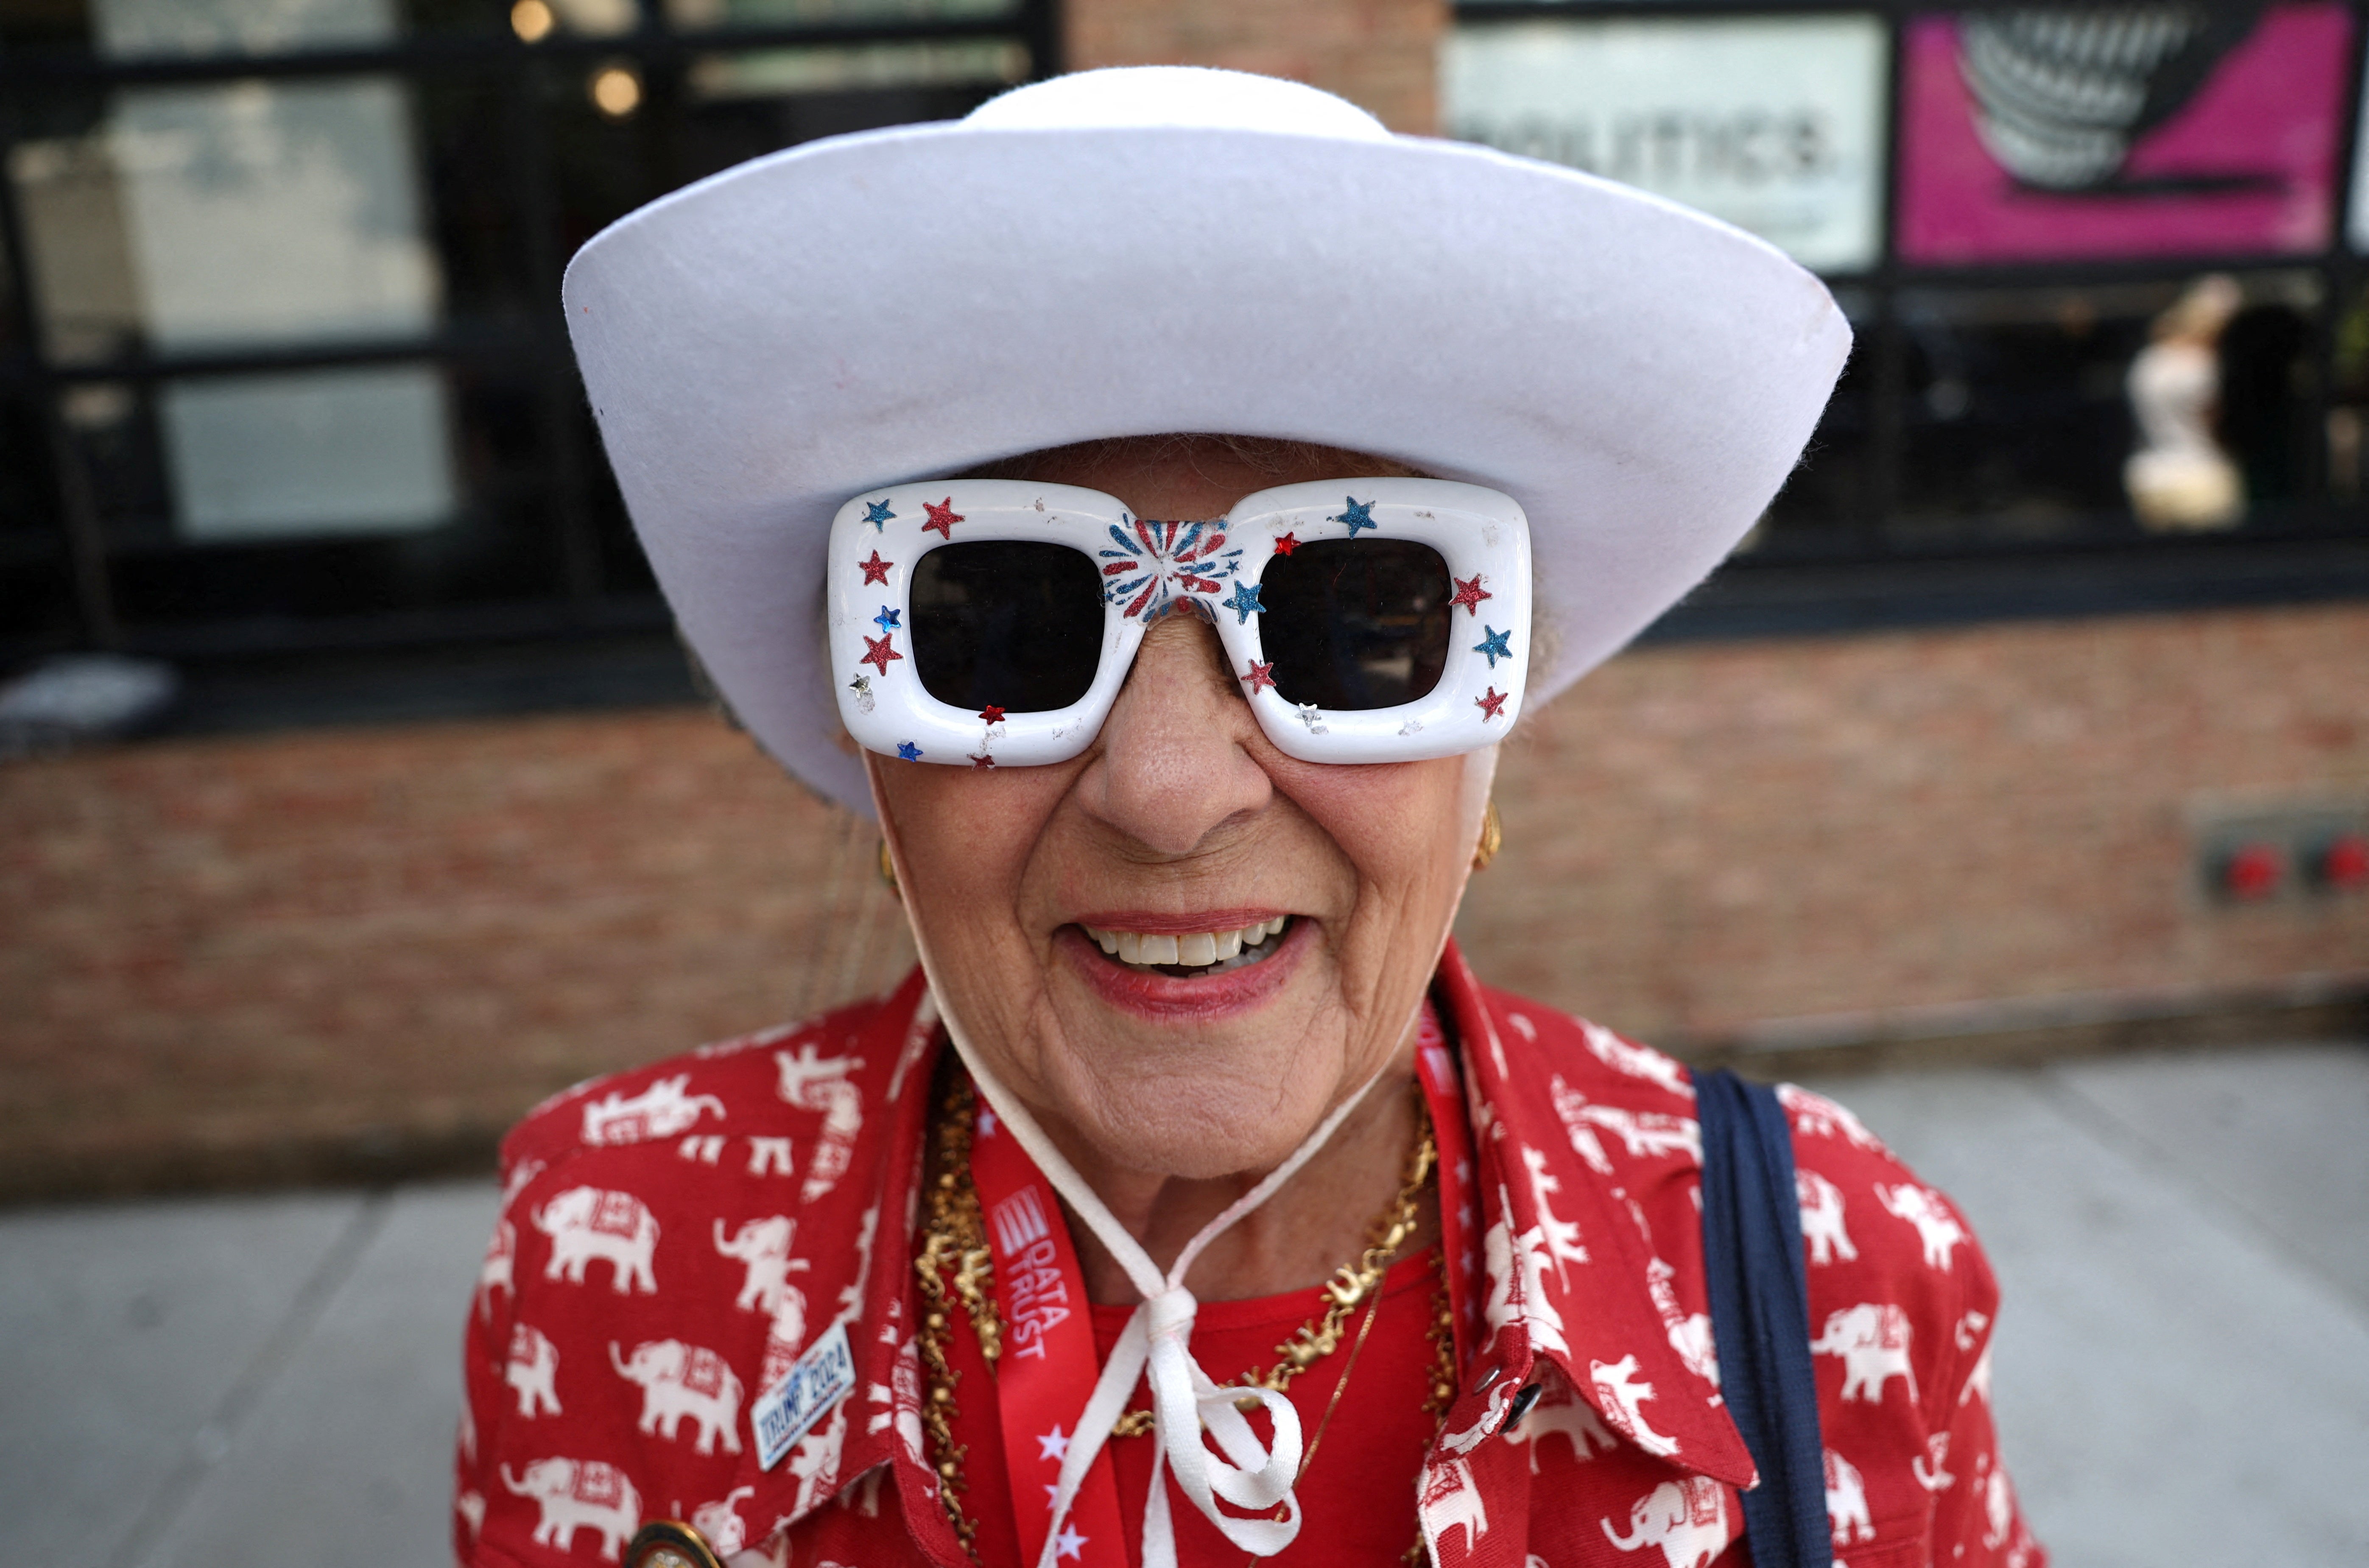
pixel 1157 561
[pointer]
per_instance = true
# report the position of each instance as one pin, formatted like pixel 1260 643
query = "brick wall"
pixel 314 954
pixel 288 955
pixel 1380 55
pixel 1704 836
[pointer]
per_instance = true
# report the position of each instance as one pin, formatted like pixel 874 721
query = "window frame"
pixel 527 346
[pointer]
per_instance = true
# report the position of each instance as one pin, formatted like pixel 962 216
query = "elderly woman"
pixel 1193 1203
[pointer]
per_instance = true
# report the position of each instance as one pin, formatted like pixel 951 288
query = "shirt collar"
pixel 1572 1270
pixel 878 1423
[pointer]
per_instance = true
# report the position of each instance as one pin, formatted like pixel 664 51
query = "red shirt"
pixel 674 1237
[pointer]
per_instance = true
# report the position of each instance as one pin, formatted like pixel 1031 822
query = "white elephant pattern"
pixel 580 1494
pixel 720 1521
pixel 586 1223
pixel 1689 1334
pixel 1978 1382
pixel 1562 1237
pixel 1931 1468
pixel 532 1370
pixel 662 1110
pixel 1873 1341
pixel 1937 1228
pixel 1686 1518
pixel 1814 1115
pixel 1452 1500
pixel 814 1082
pixel 1637 1062
pixel 1619 1395
pixel 1517 1267
pixel 498 1272
pixel 763 1245
pixel 1572 1107
pixel 1822 1218
pixel 1642 1134
pixel 786 1337
pixel 1847 1502
pixel 815 1461
pixel 680 1379
pixel 1566 1415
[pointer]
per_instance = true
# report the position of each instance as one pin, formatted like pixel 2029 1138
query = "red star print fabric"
pixel 674 1239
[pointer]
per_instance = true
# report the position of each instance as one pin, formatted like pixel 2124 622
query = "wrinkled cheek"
pixel 962 846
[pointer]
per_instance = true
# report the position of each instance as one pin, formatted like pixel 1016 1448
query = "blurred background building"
pixel 2034 717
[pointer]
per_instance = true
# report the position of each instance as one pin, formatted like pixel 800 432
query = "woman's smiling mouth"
pixel 1151 973
pixel 1189 953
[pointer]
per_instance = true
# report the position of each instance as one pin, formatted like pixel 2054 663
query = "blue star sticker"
pixel 878 514
pixel 906 749
pixel 887 621
pixel 1245 602
pixel 1361 514
pixel 1494 644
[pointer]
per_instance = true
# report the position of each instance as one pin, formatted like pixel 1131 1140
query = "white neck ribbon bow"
pixel 1159 1340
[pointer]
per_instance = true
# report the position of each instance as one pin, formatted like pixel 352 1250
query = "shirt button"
pixel 1524 1397
pixel 1486 1380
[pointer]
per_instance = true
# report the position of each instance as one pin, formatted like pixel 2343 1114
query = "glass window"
pixel 1775 123
pixel 2065 413
pixel 245 216
pixel 273 213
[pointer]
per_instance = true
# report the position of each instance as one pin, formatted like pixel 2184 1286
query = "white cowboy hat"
pixel 1159 249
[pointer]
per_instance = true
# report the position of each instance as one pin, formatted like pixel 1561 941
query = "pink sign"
pixel 2048 136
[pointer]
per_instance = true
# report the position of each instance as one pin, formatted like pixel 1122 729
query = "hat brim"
pixel 882 307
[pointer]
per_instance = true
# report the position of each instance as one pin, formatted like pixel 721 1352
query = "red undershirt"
pixel 1357 1491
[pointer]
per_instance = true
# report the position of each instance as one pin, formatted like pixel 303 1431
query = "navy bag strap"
pixel 1760 1316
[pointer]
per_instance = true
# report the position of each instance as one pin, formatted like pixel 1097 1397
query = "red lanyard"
pixel 1048 1366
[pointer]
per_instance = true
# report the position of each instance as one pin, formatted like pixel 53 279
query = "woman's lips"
pixel 1151 994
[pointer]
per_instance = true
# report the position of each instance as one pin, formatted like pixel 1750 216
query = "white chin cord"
pixel 1159 1339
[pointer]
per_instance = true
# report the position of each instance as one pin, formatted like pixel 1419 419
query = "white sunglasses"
pixel 988 623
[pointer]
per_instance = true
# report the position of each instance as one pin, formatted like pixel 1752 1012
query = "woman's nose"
pixel 1175 760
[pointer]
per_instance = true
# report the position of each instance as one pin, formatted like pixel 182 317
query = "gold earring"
pixel 1492 837
pixel 888 870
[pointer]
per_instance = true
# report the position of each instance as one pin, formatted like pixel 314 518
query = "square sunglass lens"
pixel 1356 624
pixel 1006 623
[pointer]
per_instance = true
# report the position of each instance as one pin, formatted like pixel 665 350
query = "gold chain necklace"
pixel 955 1265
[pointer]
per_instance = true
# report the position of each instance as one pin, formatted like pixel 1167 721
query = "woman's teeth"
pixel 1194 950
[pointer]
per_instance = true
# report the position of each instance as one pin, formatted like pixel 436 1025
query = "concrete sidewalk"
pixel 2183 1364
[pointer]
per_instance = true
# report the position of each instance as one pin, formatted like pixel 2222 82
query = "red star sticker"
pixel 1492 702
pixel 878 651
pixel 977 762
pixel 1470 594
pixel 875 569
pixel 1285 544
pixel 1261 677
pixel 941 517
pixel 992 714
